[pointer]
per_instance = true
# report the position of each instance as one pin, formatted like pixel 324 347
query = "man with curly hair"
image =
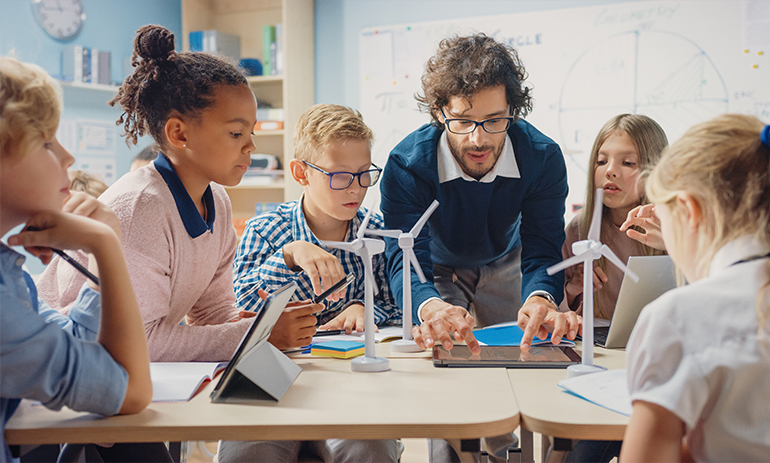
pixel 502 187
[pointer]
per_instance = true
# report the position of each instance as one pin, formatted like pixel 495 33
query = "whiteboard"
pixel 678 62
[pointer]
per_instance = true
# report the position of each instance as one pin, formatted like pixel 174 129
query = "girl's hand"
pixel 574 287
pixel 62 231
pixel 321 266
pixel 644 217
pixel 80 203
pixel 351 319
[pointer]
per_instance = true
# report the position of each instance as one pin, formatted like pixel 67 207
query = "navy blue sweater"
pixel 477 223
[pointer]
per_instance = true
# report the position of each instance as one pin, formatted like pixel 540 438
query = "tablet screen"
pixel 506 356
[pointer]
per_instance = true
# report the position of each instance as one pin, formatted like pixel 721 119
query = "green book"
pixel 268 39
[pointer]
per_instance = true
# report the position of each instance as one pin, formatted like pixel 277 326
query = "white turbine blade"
pixel 344 245
pixel 364 223
pixel 607 252
pixel 567 263
pixel 388 233
pixel 416 264
pixel 596 220
pixel 425 216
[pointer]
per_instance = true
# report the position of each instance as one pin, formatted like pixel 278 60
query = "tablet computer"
pixel 257 334
pixel 506 356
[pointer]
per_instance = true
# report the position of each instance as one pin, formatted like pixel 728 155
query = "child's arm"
pixel 121 331
pixel 653 434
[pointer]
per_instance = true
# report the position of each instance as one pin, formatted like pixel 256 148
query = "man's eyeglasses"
pixel 342 180
pixel 466 126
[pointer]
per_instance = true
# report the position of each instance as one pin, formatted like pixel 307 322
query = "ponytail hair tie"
pixel 764 135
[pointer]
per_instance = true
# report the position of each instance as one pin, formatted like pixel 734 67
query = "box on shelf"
pixel 269 114
pixel 268 125
pixel 213 41
pixel 240 224
pixel 260 208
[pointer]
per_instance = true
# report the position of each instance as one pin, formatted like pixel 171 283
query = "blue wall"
pixel 338 22
pixel 111 26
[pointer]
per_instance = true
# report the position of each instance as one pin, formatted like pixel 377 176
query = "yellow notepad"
pixel 338 349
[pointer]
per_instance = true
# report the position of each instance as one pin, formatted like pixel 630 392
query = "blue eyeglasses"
pixel 466 126
pixel 342 180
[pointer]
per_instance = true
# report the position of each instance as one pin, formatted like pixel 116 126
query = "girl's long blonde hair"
pixel 650 140
pixel 724 165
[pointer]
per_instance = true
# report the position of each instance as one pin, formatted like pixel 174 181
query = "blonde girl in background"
pixel 699 356
pixel 623 148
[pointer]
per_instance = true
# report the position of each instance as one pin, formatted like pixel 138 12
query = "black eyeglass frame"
pixel 353 176
pixel 510 120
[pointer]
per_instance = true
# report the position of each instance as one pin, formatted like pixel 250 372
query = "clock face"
pixel 61 19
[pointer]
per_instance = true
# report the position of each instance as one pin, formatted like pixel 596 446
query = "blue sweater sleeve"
pixel 405 197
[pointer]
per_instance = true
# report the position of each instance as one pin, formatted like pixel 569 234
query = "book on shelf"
pixel 269 114
pixel 215 42
pixel 272 50
pixel 180 381
pixel 264 126
pixel 86 65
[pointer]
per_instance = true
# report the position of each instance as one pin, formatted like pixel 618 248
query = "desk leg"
pixel 527 446
pixel 175 450
pixel 557 449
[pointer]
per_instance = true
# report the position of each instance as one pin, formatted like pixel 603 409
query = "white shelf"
pixel 87 86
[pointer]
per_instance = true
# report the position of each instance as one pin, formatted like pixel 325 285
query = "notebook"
pixel 608 389
pixel 509 334
pixel 656 276
pixel 179 381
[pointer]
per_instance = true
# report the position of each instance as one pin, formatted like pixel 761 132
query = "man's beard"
pixel 471 168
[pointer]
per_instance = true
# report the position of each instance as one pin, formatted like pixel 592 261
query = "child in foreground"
pixel 626 146
pixel 334 165
pixel 699 356
pixel 44 355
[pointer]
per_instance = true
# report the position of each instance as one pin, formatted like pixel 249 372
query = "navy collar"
pixel 191 218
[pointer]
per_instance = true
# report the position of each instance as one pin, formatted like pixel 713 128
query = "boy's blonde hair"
pixel 724 165
pixel 30 106
pixel 649 140
pixel 325 123
pixel 87 183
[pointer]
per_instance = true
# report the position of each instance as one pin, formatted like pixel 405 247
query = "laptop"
pixel 656 276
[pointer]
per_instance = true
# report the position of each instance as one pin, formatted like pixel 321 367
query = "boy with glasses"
pixel 502 186
pixel 333 163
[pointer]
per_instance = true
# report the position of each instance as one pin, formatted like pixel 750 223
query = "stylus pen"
pixel 77 265
pixel 71 261
pixel 334 288
pixel 328 332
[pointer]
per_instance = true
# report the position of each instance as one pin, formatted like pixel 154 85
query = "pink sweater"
pixel 174 276
pixel 623 247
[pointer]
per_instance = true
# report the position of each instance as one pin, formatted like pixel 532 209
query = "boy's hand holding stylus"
pixel 321 266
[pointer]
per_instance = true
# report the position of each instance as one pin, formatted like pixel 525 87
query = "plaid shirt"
pixel 259 264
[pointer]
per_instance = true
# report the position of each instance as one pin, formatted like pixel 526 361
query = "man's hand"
pixel 644 217
pixel 537 313
pixel 439 320
pixel 319 265
pixel 351 319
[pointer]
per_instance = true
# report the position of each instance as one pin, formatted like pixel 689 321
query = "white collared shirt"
pixel 450 169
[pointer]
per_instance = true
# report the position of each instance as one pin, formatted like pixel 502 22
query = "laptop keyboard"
pixel 600 335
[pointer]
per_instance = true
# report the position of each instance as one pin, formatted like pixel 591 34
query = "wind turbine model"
pixel 406 243
pixel 587 251
pixel 365 248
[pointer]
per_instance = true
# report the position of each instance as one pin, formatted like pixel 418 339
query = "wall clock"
pixel 61 19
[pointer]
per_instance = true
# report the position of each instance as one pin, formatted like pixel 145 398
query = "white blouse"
pixel 697 351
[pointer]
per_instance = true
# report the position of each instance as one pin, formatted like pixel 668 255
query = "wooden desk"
pixel 327 400
pixel 547 409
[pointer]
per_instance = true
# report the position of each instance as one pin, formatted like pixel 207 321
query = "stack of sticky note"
pixel 338 349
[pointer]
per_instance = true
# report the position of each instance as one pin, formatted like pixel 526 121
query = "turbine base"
pixel 369 364
pixel 580 370
pixel 405 345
